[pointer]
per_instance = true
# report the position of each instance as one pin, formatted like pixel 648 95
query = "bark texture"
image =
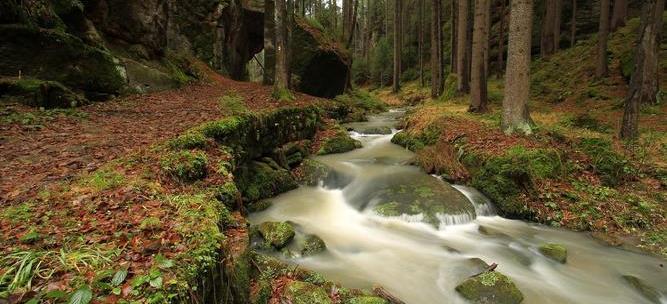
pixel 436 50
pixel 619 15
pixel 515 117
pixel 282 61
pixel 397 46
pixel 462 60
pixel 269 42
pixel 550 28
pixel 478 89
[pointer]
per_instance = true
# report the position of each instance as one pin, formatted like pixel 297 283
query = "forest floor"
pixel 40 147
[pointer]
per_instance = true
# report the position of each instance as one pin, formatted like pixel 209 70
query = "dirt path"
pixel 57 149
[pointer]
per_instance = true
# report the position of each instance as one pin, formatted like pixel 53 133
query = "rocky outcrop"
pixel 490 287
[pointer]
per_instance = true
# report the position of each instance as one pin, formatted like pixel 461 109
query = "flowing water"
pixel 421 263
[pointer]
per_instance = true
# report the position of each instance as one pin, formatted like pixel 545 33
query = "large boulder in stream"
pixel 490 287
pixel 414 194
pixel 277 234
pixel 297 292
pixel 556 252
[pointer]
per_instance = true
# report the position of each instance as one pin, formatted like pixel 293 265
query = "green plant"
pixel 186 166
pixel 612 167
pixel 232 104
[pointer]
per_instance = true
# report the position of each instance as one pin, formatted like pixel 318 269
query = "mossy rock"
pixel 490 287
pixel 58 56
pixel 297 292
pixel 259 206
pixel 260 180
pixel 186 166
pixel 313 245
pixel 228 194
pixel 414 194
pixel 187 141
pixel 367 300
pixel 340 143
pixel 382 130
pixel 312 172
pixel 277 234
pixel 39 93
pixel 556 252
pixel 262 292
pixel 649 292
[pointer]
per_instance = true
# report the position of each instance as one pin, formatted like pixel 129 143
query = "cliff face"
pixel 102 48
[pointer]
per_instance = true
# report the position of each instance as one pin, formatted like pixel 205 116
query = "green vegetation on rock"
pixel 490 287
pixel 277 234
pixel 612 167
pixel 187 141
pixel 305 293
pixel 367 300
pixel 186 166
pixel 340 143
pixel 555 252
pixel 313 245
pixel 646 290
pixel 260 180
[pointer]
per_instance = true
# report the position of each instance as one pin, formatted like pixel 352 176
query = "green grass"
pixel 233 104
pixel 103 179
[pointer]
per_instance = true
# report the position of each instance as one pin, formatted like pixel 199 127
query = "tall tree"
pixel 501 39
pixel 619 15
pixel 462 59
pixel 603 37
pixel 644 83
pixel 420 32
pixel 397 46
pixel 550 28
pixel 269 42
pixel 281 83
pixel 454 37
pixel 573 24
pixel 436 49
pixel 478 90
pixel 515 116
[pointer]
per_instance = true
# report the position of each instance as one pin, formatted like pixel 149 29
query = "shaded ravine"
pixel 422 264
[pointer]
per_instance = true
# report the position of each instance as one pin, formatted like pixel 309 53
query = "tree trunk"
pixel 573 24
pixel 487 39
pixel 453 41
pixel 515 117
pixel 397 46
pixel 436 55
pixel 269 42
pixel 557 23
pixel 603 36
pixel 462 62
pixel 281 83
pixel 619 15
pixel 420 31
pixel 501 40
pixel 644 83
pixel 478 93
pixel 550 23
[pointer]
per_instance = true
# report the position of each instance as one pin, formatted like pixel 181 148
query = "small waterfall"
pixel 482 204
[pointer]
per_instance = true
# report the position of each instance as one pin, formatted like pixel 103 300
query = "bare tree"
pixel 550 28
pixel 515 116
pixel 619 14
pixel 478 89
pixel 462 60
pixel 644 83
pixel 603 36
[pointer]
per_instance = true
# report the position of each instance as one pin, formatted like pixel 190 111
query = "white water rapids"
pixel 421 264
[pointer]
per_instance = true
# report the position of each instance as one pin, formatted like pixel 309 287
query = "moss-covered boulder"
pixel 313 245
pixel 186 166
pixel 290 155
pixel 556 252
pixel 277 234
pixel 366 300
pixel 297 292
pixel 58 56
pixel 39 93
pixel 490 287
pixel 259 206
pixel 383 130
pixel 260 180
pixel 646 290
pixel 340 143
pixel 414 194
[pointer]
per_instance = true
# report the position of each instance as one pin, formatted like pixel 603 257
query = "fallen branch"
pixel 383 293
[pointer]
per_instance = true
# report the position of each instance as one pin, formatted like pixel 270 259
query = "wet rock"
pixel 485 230
pixel 259 206
pixel 383 130
pixel 39 93
pixel 260 180
pixel 313 245
pixel 367 300
pixel 312 172
pixel 555 252
pixel 646 290
pixel 478 265
pixel 297 292
pixel 490 287
pixel 414 194
pixel 277 234
pixel 340 143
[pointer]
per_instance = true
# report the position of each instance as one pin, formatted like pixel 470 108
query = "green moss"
pixel 586 121
pixel 282 94
pixel 259 206
pixel 490 287
pixel 646 290
pixel 340 143
pixel 553 251
pixel 388 209
pixel 263 293
pixel 223 129
pixel 187 141
pixel 228 194
pixel 362 100
pixel 103 179
pixel 17 213
pixel 277 234
pixel 367 300
pixel 612 167
pixel 185 166
pixel 39 93
pixel 258 180
pixel 313 245
pixel 450 90
pixel 305 293
pixel 232 104
pixel 150 223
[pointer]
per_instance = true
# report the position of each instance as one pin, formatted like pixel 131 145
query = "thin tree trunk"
pixel 515 116
pixel 557 23
pixel 548 39
pixel 501 40
pixel 397 47
pixel 436 56
pixel 461 46
pixel 573 24
pixel 454 37
pixel 487 39
pixel 603 36
pixel 619 15
pixel 478 93
pixel 420 31
pixel 281 83
pixel 269 42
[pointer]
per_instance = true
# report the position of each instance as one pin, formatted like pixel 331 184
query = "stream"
pixel 422 262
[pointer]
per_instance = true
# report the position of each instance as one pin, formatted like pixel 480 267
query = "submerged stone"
pixel 490 287
pixel 555 252
pixel 367 300
pixel 646 290
pixel 277 234
pixel 313 245
pixel 297 292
